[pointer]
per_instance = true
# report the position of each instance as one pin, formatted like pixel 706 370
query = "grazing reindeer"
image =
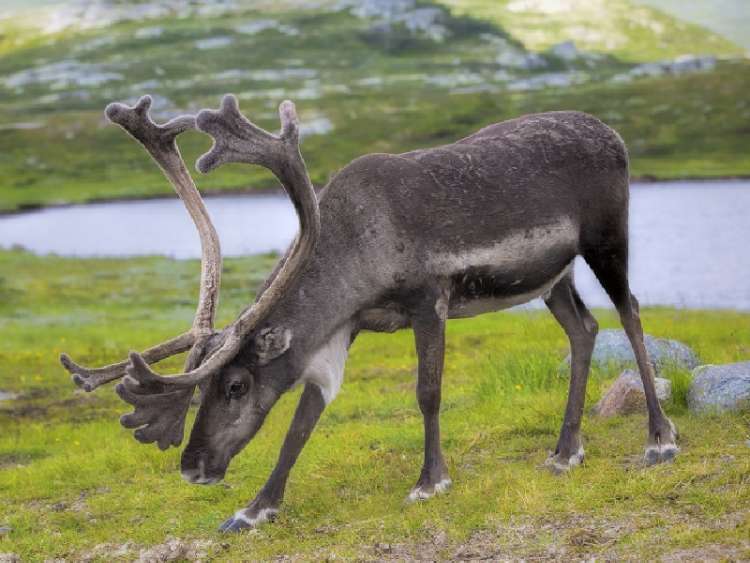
pixel 488 222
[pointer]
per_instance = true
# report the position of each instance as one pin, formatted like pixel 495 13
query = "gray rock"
pixel 148 32
pixel 218 42
pixel 10 558
pixel 720 388
pixel 5 530
pixel 566 51
pixel 548 80
pixel 63 74
pixel 418 20
pixel 7 395
pixel 514 58
pixel 613 348
pixel 317 126
pixel 626 395
pixel 681 65
pixel 259 25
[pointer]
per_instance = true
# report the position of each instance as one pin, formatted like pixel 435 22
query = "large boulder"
pixel 718 388
pixel 613 349
pixel 626 395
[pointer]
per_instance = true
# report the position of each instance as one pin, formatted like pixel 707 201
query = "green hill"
pixel 730 18
pixel 371 75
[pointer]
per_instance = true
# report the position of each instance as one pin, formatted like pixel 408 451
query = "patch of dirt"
pixel 19 459
pixel 551 539
pixel 109 552
pixel 174 549
pixel 564 538
pixel 78 505
pixel 9 558
pixel 80 407
pixel 713 552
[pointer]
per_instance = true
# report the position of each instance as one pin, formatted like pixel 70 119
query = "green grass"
pixel 71 478
pixel 676 127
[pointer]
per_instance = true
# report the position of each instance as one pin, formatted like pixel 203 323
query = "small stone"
pixel 5 530
pixel 383 548
pixel 7 395
pixel 613 348
pixel 719 388
pixel 626 395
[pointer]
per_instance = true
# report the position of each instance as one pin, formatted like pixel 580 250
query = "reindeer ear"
pixel 270 343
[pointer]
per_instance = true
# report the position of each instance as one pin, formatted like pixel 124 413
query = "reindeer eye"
pixel 237 389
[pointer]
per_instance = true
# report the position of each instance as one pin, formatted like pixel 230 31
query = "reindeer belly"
pixel 508 271
pixel 473 294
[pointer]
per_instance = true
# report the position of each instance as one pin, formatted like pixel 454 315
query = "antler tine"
pixel 236 139
pixel 159 414
pixel 159 142
pixel 89 379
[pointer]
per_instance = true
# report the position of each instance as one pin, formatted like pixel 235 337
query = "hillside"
pixel 730 18
pixel 378 75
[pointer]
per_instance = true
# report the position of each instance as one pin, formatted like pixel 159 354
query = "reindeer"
pixel 395 240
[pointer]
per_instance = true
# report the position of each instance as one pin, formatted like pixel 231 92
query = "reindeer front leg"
pixel 266 503
pixel 429 334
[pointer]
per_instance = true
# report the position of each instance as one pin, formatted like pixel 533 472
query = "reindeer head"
pixel 234 404
pixel 234 368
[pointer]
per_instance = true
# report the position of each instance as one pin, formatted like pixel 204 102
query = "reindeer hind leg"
pixel 581 327
pixel 609 262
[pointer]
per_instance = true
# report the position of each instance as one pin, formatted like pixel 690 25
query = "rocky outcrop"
pixel 613 349
pixel 626 395
pixel 419 20
pixel 720 388
pixel 681 65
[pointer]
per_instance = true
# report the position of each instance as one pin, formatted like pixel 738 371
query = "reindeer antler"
pixel 159 141
pixel 238 140
pixel 161 403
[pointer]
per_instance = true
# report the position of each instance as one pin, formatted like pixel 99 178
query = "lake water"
pixel 690 241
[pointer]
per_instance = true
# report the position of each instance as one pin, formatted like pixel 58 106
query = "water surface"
pixel 690 241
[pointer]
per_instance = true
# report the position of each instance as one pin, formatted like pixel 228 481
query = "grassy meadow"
pixel 76 485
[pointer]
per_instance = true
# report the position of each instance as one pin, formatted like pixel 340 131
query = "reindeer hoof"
pixel 248 519
pixel 559 464
pixel 425 491
pixel 662 446
pixel 660 453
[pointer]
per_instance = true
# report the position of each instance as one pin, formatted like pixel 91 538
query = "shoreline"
pixel 278 190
